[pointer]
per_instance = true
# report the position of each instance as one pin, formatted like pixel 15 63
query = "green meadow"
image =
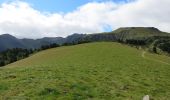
pixel 92 71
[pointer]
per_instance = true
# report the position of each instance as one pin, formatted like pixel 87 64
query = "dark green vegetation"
pixel 92 71
pixel 11 55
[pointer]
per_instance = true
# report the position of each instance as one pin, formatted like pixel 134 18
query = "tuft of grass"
pixel 3 87
pixel 48 91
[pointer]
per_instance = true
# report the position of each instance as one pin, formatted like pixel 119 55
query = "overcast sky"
pixel 39 18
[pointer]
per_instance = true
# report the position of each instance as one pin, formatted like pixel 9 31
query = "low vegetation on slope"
pixel 93 71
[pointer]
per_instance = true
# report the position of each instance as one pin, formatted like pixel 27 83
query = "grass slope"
pixel 138 33
pixel 94 71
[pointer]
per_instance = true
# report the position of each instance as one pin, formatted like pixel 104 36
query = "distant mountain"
pixel 37 43
pixel 8 41
pixel 74 38
pixel 121 34
pixel 129 35
pixel 137 33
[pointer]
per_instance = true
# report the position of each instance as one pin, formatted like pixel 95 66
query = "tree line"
pixel 12 55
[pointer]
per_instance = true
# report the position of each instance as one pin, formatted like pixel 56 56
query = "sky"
pixel 54 6
pixel 53 18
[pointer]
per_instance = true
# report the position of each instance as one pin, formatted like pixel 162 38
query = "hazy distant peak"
pixel 6 35
pixel 138 28
pixel 149 30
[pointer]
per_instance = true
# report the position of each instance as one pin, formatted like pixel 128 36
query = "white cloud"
pixel 20 19
pixel 154 13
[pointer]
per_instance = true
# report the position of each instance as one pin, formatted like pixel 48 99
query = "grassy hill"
pixel 92 71
pixel 138 32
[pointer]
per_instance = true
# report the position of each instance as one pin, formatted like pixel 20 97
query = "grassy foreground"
pixel 94 71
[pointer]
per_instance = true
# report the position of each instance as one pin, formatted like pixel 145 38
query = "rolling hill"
pixel 139 32
pixel 92 71
pixel 125 33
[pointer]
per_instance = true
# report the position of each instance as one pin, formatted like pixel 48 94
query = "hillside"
pixel 139 32
pixel 95 71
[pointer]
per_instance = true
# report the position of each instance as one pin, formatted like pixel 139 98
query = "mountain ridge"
pixel 8 41
pixel 123 34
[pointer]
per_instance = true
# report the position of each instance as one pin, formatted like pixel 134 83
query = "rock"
pixel 146 97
